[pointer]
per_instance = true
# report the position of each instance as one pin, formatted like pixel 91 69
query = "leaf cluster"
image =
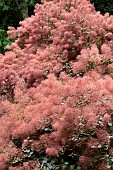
pixel 4 41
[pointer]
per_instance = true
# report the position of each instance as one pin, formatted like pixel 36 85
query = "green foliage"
pixel 14 11
pixel 4 41
pixel 11 13
pixel 103 6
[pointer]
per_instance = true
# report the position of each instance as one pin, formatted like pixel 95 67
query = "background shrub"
pixel 12 12
pixel 103 6
pixel 4 41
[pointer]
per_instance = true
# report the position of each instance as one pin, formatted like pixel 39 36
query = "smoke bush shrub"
pixel 56 92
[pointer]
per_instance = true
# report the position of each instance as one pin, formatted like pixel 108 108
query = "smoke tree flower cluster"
pixel 56 88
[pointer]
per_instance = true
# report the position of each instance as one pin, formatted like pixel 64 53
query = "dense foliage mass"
pixel 24 8
pixel 56 90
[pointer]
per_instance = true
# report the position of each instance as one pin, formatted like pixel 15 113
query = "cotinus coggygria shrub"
pixel 56 90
